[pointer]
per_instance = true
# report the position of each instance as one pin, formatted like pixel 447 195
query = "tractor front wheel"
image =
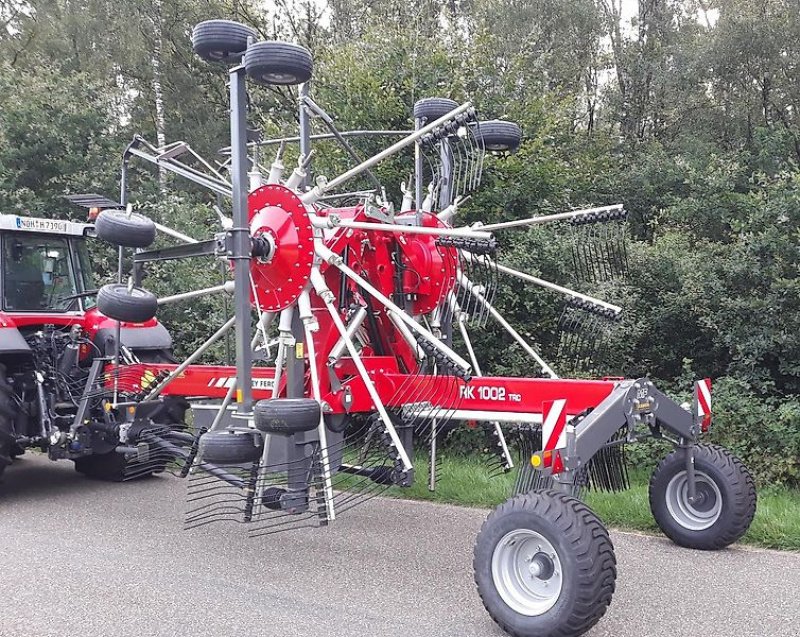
pixel 724 502
pixel 544 566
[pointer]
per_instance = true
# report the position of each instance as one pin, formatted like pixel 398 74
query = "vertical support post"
pixel 418 166
pixel 691 478
pixel 305 131
pixel 240 235
pixel 446 187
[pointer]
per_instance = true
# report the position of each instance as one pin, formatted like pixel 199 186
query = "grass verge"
pixel 465 481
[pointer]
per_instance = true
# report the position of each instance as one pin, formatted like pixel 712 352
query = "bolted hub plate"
pixel 430 269
pixel 277 215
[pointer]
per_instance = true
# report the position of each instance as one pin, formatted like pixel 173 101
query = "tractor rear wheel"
pixel 544 565
pixel 724 504
pixel 7 413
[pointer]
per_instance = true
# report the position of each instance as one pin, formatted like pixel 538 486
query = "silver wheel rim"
pixel 279 78
pixel 704 511
pixel 527 572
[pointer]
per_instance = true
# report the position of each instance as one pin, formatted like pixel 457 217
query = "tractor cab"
pixel 45 265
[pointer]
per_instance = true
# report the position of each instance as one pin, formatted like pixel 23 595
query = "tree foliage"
pixel 687 111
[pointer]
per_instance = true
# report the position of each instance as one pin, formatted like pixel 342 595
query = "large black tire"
pixel 724 506
pixel 498 135
pixel 568 560
pixel 230 446
pixel 122 229
pixel 281 63
pixel 131 306
pixel 7 414
pixel 432 108
pixel 286 416
pixel 221 40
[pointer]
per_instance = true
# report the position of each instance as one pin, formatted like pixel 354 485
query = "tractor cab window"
pixel 37 273
pixel 85 272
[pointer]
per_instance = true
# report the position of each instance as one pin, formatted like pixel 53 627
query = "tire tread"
pixel 592 546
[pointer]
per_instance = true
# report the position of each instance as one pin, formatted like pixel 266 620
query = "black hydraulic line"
pixel 372 324
pixel 343 300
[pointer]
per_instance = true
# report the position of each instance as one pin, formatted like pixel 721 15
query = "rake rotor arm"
pixel 214 182
pixel 319 190
pixel 333 221
pixel 307 318
pixel 328 121
pixel 462 326
pixel 318 282
pixel 473 289
pixel 532 221
pixel 191 359
pixel 335 260
pixel 615 309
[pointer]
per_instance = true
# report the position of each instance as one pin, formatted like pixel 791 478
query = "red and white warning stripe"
pixel 702 395
pixel 554 426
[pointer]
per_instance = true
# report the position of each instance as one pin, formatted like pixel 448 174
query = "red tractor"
pixel 51 335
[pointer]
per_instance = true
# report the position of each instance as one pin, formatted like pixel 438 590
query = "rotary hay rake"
pixel 368 304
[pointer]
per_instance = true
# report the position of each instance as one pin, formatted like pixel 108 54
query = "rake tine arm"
pixel 328 298
pixel 532 221
pixel 307 318
pixel 465 283
pixel 461 318
pixel 330 257
pixel 191 359
pixel 333 221
pixel 616 309
pixel 319 190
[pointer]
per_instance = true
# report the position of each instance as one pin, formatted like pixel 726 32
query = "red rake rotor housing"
pixel 278 215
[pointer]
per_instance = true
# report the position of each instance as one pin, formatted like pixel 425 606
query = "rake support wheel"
pixel 135 305
pixel 500 136
pixel 230 446
pixel 122 229
pixel 278 63
pixel 724 505
pixel 544 566
pixel 221 40
pixel 432 108
pixel 286 416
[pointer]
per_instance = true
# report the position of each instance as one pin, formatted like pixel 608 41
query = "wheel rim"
pixel 527 572
pixel 279 78
pixel 704 511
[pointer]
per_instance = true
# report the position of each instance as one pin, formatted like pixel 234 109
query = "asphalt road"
pixel 88 559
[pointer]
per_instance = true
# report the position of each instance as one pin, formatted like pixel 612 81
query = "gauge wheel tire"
pixel 221 40
pixel 130 306
pixel 278 63
pixel 7 415
pixel 286 416
pixel 544 565
pixel 122 229
pixel 725 504
pixel 498 135
pixel 432 108
pixel 230 446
